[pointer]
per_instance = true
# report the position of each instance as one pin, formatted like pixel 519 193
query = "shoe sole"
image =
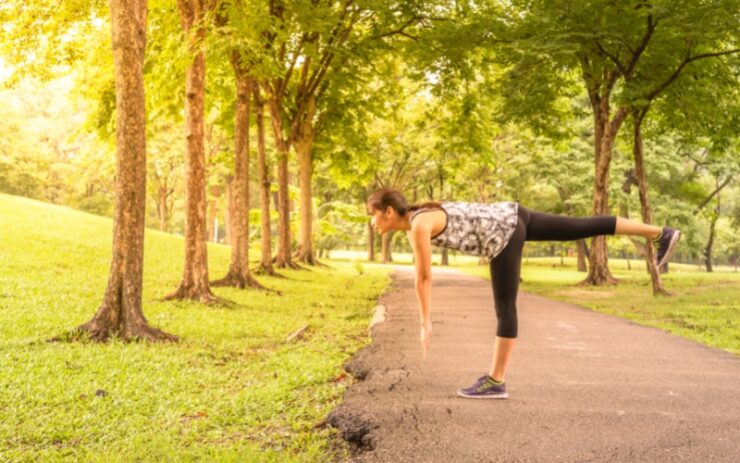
pixel 671 247
pixel 500 396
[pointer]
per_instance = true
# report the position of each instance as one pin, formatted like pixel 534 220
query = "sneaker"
pixel 484 388
pixel 666 244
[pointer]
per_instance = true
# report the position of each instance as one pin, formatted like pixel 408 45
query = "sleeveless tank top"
pixel 481 229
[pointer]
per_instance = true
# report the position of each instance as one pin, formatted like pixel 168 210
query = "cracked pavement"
pixel 583 386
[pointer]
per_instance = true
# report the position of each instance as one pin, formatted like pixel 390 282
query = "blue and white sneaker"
pixel 485 388
pixel 666 244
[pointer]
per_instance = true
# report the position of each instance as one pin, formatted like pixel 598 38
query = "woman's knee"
pixel 508 325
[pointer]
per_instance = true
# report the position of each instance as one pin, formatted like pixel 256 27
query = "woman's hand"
pixel 425 337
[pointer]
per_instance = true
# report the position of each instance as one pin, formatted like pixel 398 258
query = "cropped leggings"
pixel 534 226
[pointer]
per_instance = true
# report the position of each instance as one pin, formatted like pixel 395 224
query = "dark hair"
pixel 385 197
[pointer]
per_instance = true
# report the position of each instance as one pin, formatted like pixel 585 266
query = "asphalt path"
pixel 582 386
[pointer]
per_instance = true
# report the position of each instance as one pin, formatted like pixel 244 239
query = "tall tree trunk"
pixel 605 132
pixel 582 251
pixel 229 215
pixel 642 183
pixel 710 242
pixel 304 150
pixel 283 256
pixel 265 267
pixel 370 242
pixel 121 313
pixel 162 210
pixel 211 233
pixel 194 284
pixel 239 274
pixel 385 249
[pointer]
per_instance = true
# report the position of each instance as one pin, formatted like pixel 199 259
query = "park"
pixel 201 215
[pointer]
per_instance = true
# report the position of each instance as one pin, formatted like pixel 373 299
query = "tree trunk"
pixel 386 247
pixel 121 313
pixel 211 233
pixel 647 214
pixel 194 284
pixel 265 267
pixel 162 209
pixel 283 256
pixel 710 242
pixel 304 150
pixel 370 242
pixel 445 260
pixel 605 132
pixel 229 215
pixel 238 274
pixel 582 251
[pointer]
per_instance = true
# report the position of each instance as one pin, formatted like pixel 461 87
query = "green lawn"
pixel 231 390
pixel 704 306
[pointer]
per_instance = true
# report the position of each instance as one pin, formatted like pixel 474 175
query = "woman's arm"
pixel 420 236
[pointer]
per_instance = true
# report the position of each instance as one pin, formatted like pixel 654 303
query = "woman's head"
pixel 388 208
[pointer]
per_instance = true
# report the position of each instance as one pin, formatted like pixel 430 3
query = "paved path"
pixel 583 386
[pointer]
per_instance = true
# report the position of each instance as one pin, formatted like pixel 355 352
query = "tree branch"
pixel 651 25
pixel 655 92
pixel 610 56
pixel 712 194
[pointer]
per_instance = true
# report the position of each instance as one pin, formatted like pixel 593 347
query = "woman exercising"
pixel 497 231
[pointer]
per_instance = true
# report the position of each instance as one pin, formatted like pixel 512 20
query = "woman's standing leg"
pixel 505 269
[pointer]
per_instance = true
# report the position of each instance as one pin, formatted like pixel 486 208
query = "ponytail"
pixel 425 205
pixel 385 197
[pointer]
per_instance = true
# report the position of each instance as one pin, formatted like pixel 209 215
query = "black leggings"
pixel 534 226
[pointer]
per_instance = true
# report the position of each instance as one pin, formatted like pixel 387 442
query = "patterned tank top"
pixel 480 229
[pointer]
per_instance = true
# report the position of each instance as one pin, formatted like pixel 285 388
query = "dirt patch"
pixel 354 428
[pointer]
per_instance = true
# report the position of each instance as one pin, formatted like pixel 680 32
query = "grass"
pixel 704 306
pixel 232 389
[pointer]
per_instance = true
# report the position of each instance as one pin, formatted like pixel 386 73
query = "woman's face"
pixel 382 221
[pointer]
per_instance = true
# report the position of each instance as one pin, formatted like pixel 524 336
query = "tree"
pixel 239 274
pixel 121 312
pixel 195 284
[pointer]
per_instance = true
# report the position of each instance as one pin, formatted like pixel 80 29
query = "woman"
pixel 497 231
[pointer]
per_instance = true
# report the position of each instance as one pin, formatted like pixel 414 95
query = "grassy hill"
pixel 232 390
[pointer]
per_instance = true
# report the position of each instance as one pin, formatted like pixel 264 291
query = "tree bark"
pixel 370 242
pixel 605 132
pixel 304 150
pixel 582 251
pixel 283 258
pixel 229 215
pixel 211 233
pixel 239 274
pixel 162 209
pixel 194 284
pixel 265 267
pixel 710 242
pixel 121 312
pixel 642 184
pixel 386 247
